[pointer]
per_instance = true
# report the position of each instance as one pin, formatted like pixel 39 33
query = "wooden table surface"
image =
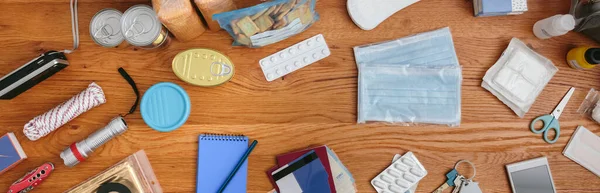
pixel 313 106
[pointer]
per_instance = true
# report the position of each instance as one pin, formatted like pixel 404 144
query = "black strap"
pixel 113 187
pixel 135 89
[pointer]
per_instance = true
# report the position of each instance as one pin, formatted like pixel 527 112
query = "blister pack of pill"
pixel 294 57
pixel 400 176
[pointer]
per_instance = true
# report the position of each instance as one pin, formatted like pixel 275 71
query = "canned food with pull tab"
pixel 105 28
pixel 141 28
pixel 203 67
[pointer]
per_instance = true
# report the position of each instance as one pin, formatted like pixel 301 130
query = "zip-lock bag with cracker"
pixel 268 22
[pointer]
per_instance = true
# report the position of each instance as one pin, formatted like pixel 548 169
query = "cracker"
pixel 242 39
pixel 280 24
pixel 270 10
pixel 247 26
pixel 287 7
pixel 307 17
pixel 264 22
pixel 255 16
pixel 234 27
pixel 277 8
pixel 281 15
pixel 297 13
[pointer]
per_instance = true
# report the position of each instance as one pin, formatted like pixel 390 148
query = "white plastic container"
pixel 557 25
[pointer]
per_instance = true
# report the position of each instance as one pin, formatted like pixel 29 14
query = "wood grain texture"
pixel 313 106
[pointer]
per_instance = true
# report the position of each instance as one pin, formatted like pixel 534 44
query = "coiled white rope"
pixel 42 125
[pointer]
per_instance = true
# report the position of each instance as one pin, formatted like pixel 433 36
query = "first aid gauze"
pixel 519 76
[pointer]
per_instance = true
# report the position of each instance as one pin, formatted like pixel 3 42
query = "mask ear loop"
pixel 74 27
pixel 135 90
pixel 472 165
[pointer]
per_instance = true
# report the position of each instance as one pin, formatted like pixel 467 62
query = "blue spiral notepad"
pixel 11 152
pixel 217 157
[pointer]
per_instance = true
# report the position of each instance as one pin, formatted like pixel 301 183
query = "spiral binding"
pixel 223 137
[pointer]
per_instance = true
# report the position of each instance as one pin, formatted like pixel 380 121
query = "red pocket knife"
pixel 32 179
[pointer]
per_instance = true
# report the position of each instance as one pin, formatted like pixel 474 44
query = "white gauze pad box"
pixel 584 148
pixel 400 176
pixel 294 57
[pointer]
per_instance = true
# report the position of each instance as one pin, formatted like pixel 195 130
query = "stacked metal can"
pixel 139 26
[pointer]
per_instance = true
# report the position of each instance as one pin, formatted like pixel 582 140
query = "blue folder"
pixel 217 157
pixel 305 174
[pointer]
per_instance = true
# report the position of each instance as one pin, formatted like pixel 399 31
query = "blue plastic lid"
pixel 165 106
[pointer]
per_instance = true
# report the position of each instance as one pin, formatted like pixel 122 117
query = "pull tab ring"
pixel 134 34
pixel 472 165
pixel 103 33
pixel 225 69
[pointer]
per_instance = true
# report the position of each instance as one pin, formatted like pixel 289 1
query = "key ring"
pixel 472 165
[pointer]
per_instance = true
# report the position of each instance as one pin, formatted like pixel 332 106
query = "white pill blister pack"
pixel 294 57
pixel 400 176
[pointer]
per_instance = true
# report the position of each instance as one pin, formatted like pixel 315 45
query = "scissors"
pixel 550 121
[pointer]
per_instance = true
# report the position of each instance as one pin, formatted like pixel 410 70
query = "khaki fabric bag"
pixel 180 18
pixel 210 7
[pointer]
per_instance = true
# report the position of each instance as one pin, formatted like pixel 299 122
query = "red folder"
pixel 289 157
pixel 269 172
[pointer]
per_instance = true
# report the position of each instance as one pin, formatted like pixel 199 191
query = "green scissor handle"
pixel 549 123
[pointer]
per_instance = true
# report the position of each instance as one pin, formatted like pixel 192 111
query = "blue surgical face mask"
pixel 416 79
pixel 434 48
pixel 405 94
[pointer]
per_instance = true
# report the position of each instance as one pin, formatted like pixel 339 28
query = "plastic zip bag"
pixel 590 107
pixel 432 48
pixel 134 173
pixel 403 94
pixel 268 22
pixel 411 80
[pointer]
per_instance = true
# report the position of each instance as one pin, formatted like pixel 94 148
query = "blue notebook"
pixel 11 152
pixel 217 157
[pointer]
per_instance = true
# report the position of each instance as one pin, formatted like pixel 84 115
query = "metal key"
pixel 470 186
pixel 458 183
pixel 449 182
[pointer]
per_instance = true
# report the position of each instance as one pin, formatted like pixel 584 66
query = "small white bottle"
pixel 557 25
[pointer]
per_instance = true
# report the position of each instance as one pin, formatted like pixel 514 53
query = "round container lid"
pixel 105 28
pixel 140 25
pixel 203 67
pixel 165 106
